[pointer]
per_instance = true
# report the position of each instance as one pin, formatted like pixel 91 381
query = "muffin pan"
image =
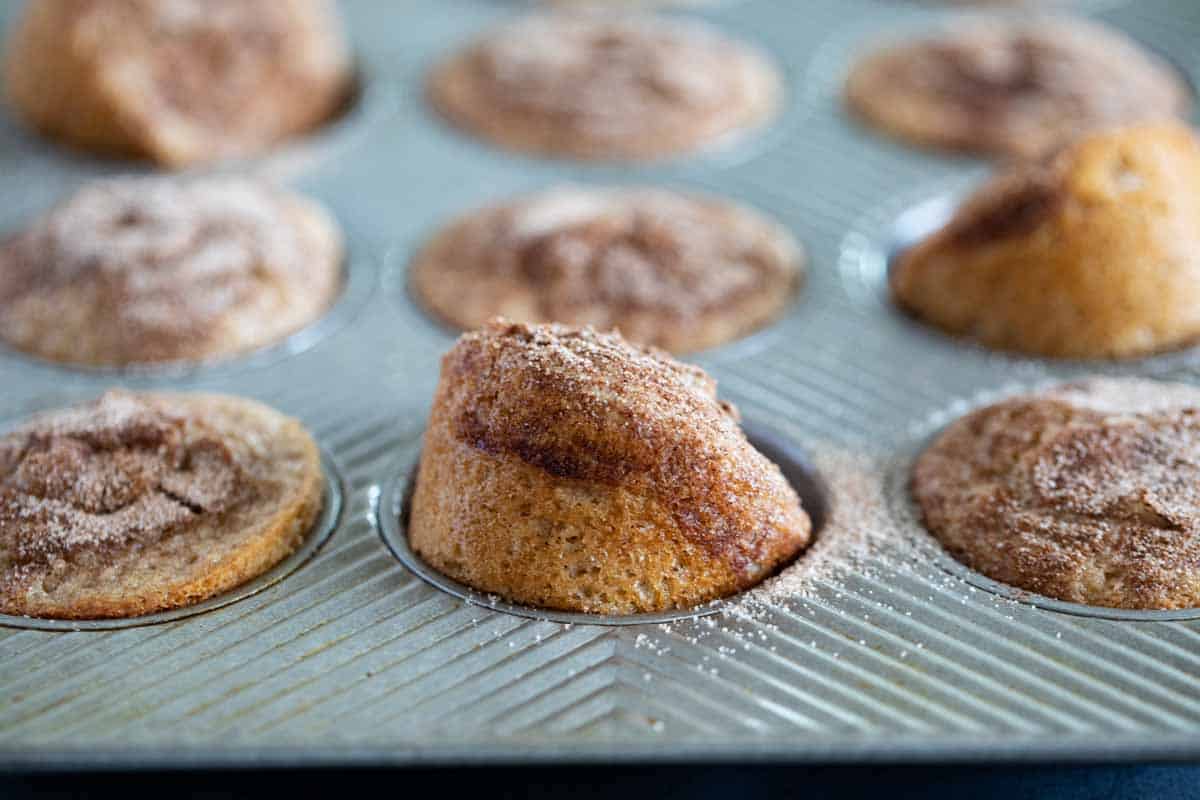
pixel 354 659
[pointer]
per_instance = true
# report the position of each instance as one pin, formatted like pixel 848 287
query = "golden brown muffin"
pixel 1094 253
pixel 1017 88
pixel 152 270
pixel 568 469
pixel 1088 492
pixel 605 87
pixel 138 503
pixel 178 82
pixel 682 272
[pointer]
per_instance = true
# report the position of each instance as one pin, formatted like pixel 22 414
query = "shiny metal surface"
pixel 354 659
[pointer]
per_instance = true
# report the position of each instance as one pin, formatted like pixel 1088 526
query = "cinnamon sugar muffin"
pixel 1094 253
pixel 135 504
pixel 1088 492
pixel 151 270
pixel 682 272
pixel 568 469
pixel 1014 88
pixel 605 86
pixel 178 82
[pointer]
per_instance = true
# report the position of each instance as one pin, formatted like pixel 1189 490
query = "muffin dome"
pixel 1088 492
pixel 681 272
pixel 134 271
pixel 138 503
pixel 1012 88
pixel 605 86
pixel 1093 253
pixel 180 82
pixel 568 469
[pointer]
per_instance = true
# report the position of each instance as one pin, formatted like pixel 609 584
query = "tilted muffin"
pixel 178 82
pixel 151 270
pixel 1094 253
pixel 568 469
pixel 138 503
pixel 681 272
pixel 1015 88
pixel 1087 492
pixel 605 86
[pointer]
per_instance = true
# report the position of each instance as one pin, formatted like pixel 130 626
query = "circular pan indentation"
pixel 359 273
pixel 391 516
pixel 875 243
pixel 903 508
pixel 323 528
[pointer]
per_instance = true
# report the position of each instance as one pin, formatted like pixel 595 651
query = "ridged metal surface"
pixel 352 659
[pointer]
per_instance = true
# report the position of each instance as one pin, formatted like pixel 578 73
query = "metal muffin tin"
pixel 354 659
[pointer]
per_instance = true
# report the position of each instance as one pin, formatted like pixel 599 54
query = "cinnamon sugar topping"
pixel 602 85
pixel 132 270
pixel 586 405
pixel 1088 493
pixel 660 266
pixel 1017 87
pixel 118 473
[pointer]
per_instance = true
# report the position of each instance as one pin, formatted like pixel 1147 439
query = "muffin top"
pixel 150 270
pixel 180 82
pixel 589 406
pixel 1088 492
pixel 596 85
pixel 136 503
pixel 1015 88
pixel 1090 253
pixel 677 271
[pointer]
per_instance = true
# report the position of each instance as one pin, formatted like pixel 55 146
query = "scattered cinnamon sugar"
pixel 860 529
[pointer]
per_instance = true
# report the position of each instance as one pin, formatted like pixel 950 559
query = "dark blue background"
pixel 628 782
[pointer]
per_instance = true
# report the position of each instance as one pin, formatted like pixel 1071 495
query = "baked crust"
pixel 179 83
pixel 1012 88
pixel 140 503
pixel 153 270
pixel 681 272
pixel 1094 253
pixel 567 469
pixel 604 86
pixel 1088 492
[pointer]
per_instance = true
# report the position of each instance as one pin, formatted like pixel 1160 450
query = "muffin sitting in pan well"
pixel 178 82
pixel 677 271
pixel 141 503
pixel 1018 88
pixel 567 469
pixel 1094 253
pixel 153 270
pixel 605 87
pixel 1088 492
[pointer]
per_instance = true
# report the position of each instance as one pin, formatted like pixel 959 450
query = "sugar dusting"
pixel 153 268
